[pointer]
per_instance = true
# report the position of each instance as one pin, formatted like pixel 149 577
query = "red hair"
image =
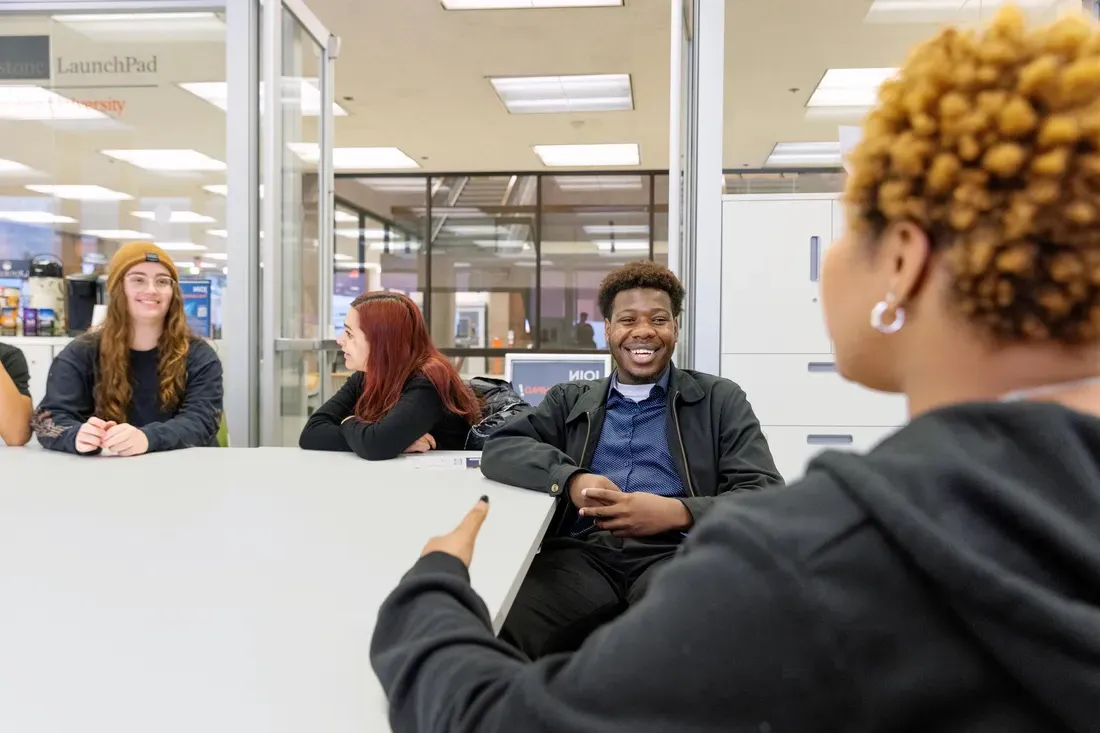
pixel 400 348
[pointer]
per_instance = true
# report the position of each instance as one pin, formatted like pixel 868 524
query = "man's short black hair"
pixel 640 274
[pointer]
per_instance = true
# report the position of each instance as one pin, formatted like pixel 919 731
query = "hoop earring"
pixel 880 310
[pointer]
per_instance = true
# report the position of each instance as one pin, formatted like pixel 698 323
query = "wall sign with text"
pixel 196 305
pixel 532 375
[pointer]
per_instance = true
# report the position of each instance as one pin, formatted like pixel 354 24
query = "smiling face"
pixel 641 334
pixel 354 343
pixel 149 291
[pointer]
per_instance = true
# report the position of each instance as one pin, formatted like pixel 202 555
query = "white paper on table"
pixel 849 138
pixel 427 460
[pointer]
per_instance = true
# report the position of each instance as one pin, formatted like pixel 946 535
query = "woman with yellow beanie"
pixel 142 382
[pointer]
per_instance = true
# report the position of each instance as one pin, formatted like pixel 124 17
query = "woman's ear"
pixel 905 253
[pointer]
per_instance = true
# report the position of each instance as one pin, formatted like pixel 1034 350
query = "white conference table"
pixel 223 590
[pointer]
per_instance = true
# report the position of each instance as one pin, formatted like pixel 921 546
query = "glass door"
pixel 297 219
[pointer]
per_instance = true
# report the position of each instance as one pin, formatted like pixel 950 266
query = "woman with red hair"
pixel 405 397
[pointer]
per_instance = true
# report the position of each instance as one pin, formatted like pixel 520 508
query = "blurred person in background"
pixel 403 397
pixel 142 381
pixel 948 580
pixel 15 397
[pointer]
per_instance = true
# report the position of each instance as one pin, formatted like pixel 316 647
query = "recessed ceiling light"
pixel 598 183
pixel 217 94
pixel 217 188
pixel 576 93
pixel 10 166
pixel 146 27
pixel 181 247
pixel 129 17
pixel 396 185
pixel 24 102
pixel 526 4
pixel 588 155
pixel 35 217
pixel 345 217
pixel 180 159
pixel 342 258
pixel 931 11
pixel 369 234
pixel 218 233
pixel 221 256
pixel 80 192
pixel 176 217
pixel 616 229
pixel 502 243
pixel 798 154
pixel 623 245
pixel 477 230
pixel 116 234
pixel 849 87
pixel 362 158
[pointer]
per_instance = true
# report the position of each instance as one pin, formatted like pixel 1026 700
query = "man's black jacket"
pixel 713 436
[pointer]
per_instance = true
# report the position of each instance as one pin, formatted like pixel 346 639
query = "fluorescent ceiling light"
pixel 115 234
pixel 176 217
pixel 35 217
pixel 24 102
pixel 586 155
pixel 308 94
pixel 396 185
pixel 80 192
pixel 849 87
pixel 478 230
pixel 10 166
pixel 181 247
pixel 218 233
pixel 377 158
pixel 129 17
pixel 623 245
pixel 220 256
pixel 345 217
pixel 576 93
pixel 146 27
pixel 342 258
pixel 370 234
pixel 502 243
pixel 598 183
pixel 930 11
pixel 217 188
pixel 795 154
pixel 526 4
pixel 604 229
pixel 180 159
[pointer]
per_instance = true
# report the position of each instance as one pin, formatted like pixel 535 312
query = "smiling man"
pixel 636 459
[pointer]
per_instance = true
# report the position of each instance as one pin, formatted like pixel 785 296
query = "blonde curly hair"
pixel 990 142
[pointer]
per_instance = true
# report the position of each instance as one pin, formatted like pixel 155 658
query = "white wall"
pixel 774 341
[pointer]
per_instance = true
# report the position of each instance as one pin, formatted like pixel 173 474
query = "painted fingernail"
pixel 485 498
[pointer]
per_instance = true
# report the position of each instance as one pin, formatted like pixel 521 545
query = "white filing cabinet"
pixel 774 341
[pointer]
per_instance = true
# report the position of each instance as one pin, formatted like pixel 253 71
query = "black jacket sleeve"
pixel 745 461
pixel 529 451
pixel 69 400
pixel 199 416
pixel 737 665
pixel 322 430
pixel 15 364
pixel 417 411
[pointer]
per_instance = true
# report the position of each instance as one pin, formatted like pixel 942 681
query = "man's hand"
pixel 582 481
pixel 126 440
pixel 91 434
pixel 460 542
pixel 636 514
pixel 423 444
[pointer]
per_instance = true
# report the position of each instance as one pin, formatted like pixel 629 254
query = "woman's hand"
pixel 90 435
pixel 423 444
pixel 126 440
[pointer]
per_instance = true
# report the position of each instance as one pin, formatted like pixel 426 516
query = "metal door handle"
pixel 821 367
pixel 815 258
pixel 829 440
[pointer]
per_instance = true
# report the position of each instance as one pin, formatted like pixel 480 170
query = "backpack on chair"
pixel 499 404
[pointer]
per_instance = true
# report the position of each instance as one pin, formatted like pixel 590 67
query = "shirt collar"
pixel 661 382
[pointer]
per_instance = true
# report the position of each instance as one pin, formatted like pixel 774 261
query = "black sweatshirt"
pixel 70 401
pixel 418 411
pixel 949 581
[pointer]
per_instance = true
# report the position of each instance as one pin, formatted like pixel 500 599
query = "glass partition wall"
pixel 128 120
pixel 497 262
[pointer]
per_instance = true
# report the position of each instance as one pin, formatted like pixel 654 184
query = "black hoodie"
pixel 948 581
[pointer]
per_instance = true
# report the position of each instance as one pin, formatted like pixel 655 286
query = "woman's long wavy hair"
pixel 400 347
pixel 114 386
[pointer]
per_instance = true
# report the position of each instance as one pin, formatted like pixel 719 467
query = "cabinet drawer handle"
pixel 829 440
pixel 821 367
pixel 815 258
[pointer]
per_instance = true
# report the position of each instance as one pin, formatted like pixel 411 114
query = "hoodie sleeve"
pixel 196 422
pixel 738 666
pixel 745 461
pixel 69 400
